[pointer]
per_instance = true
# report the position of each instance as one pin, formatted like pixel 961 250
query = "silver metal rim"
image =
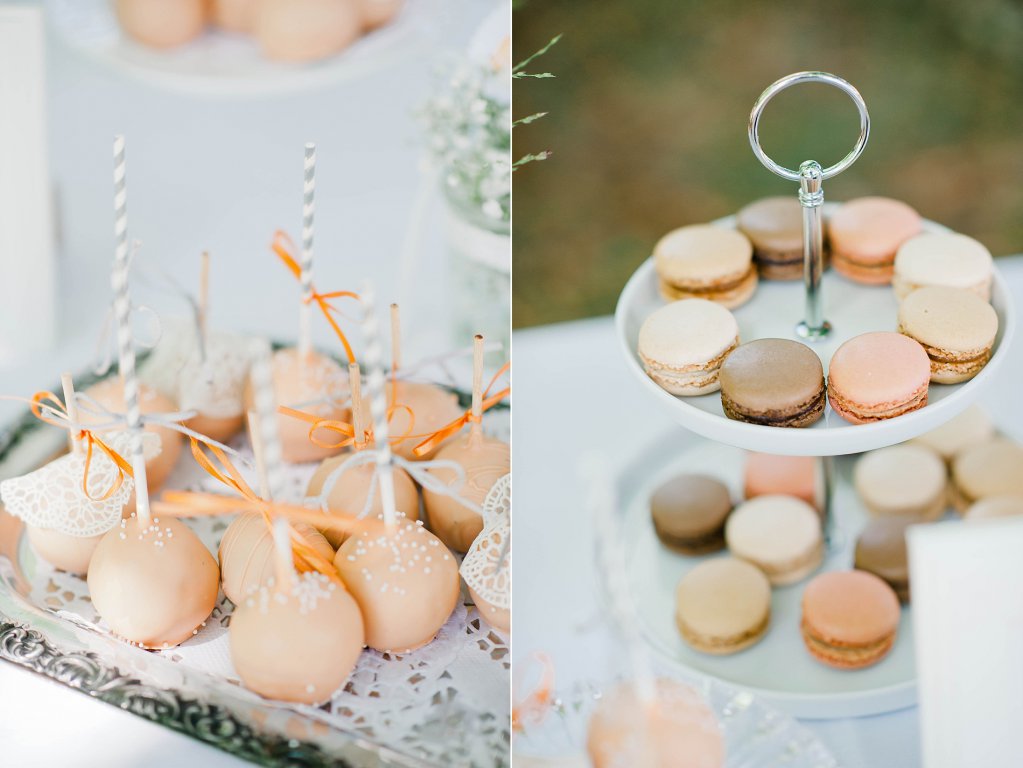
pixel 808 77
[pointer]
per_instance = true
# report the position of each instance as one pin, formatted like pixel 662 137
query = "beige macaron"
pixel 955 327
pixel 723 606
pixel 781 535
pixel 994 468
pixel 906 480
pixel 682 345
pixel 1006 505
pixel 704 261
pixel 942 258
pixel 971 427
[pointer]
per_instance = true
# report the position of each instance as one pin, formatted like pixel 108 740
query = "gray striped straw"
pixel 125 344
pixel 306 258
pixel 266 415
pixel 375 386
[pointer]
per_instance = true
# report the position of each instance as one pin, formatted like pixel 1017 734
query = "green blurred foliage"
pixel 649 108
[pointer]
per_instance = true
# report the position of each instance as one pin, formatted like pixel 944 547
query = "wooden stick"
pixel 355 385
pixel 71 406
pixel 204 297
pixel 477 382
pixel 256 436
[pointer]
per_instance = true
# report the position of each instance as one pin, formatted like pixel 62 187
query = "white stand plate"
pixel 226 64
pixel 773 312
pixel 778 668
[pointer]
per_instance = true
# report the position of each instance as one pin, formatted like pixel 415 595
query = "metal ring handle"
pixel 808 77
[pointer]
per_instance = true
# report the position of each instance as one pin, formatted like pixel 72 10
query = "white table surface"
pixel 220 175
pixel 572 394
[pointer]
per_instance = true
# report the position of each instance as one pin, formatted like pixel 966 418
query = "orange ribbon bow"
pixel 436 438
pixel 346 430
pixel 284 247
pixel 305 557
pixel 50 402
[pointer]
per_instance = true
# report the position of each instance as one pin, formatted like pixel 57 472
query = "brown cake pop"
pixel 484 460
pixel 296 638
pixel 432 406
pixel 109 394
pixel 162 23
pixel 306 30
pixel 350 490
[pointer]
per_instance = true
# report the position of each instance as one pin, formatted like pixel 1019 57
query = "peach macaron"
pixel 877 376
pixel 865 235
pixel 766 474
pixel 850 619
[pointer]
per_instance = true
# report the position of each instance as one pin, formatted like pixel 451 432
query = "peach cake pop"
pixel 343 483
pixel 432 407
pixel 305 30
pixel 401 575
pixel 484 460
pixel 486 567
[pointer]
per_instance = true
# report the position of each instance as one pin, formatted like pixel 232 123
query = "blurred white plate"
pixel 778 668
pixel 773 311
pixel 225 64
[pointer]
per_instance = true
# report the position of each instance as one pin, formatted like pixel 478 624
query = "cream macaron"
pixel 994 468
pixel 682 345
pixel 902 480
pixel 704 261
pixel 971 427
pixel 943 258
pixel 781 535
pixel 955 327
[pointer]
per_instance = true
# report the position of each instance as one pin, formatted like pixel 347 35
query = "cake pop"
pixel 431 406
pixel 376 13
pixel 296 638
pixel 152 581
pixel 486 568
pixel 403 578
pixel 235 15
pixel 109 395
pixel 484 459
pixel 306 30
pixel 162 23
pixel 212 377
pixel 350 487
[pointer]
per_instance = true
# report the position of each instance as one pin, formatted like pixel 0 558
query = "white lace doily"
pixel 487 565
pixel 53 497
pixel 214 387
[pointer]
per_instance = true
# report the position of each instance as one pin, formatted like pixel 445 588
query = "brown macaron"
pixel 775 227
pixel 689 513
pixel 881 550
pixel 774 382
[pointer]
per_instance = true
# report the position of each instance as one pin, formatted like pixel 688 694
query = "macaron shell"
pixel 778 382
pixel 781 535
pixel 766 474
pixel 729 295
pixel 902 480
pixel 971 427
pixel 956 328
pixel 689 513
pixel 877 376
pixel 881 550
pixel 1007 505
pixel 850 618
pixel 702 255
pixel 946 259
pixel 869 230
pixel 723 605
pixel 994 468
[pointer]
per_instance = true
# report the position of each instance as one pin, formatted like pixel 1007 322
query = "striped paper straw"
pixel 306 259
pixel 373 359
pixel 125 344
pixel 266 410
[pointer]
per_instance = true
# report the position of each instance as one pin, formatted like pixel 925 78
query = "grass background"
pixel 648 114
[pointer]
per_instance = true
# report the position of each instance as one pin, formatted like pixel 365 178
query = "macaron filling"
pixel 695 376
pixel 860 413
pixel 843 655
pixel 717 644
pixel 701 543
pixel 807 413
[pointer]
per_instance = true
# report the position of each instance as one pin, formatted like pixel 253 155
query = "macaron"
pixel 781 535
pixel 774 382
pixel 766 474
pixel 881 550
pixel 943 258
pixel 1007 505
pixel 994 468
pixel 971 427
pixel 850 619
pixel 955 327
pixel 877 376
pixel 689 513
pixel 683 344
pixel 902 480
pixel 866 233
pixel 703 261
pixel 774 225
pixel 625 730
pixel 723 606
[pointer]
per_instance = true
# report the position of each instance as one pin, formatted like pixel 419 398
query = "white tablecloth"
pixel 219 174
pixel 573 393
